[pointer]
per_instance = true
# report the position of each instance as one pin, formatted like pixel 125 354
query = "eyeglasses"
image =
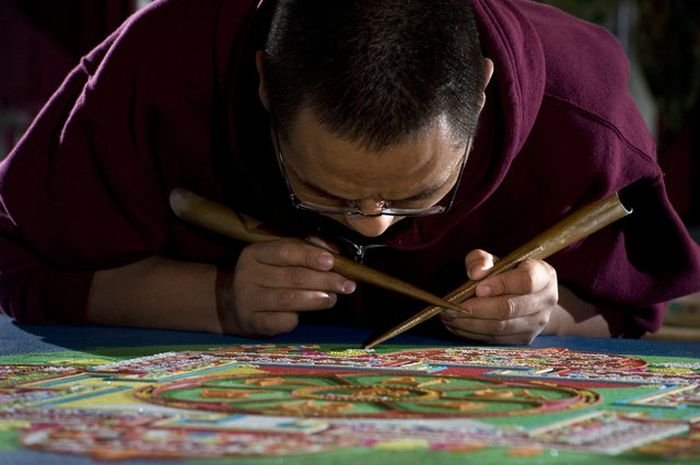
pixel 353 208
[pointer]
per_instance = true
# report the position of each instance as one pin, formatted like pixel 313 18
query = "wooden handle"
pixel 215 217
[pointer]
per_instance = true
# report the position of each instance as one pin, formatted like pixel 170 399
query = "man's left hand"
pixel 513 307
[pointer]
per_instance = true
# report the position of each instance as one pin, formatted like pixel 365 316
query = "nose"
pixel 370 226
pixel 369 206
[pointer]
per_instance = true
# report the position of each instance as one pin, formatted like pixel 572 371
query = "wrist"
pixel 559 321
pixel 572 316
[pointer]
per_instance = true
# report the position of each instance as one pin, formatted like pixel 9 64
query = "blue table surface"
pixel 18 339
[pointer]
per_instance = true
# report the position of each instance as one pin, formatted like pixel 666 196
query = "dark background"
pixel 41 40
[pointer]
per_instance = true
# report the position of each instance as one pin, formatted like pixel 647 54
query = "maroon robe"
pixel 169 100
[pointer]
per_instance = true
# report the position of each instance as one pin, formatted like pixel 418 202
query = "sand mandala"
pixel 368 395
pixel 396 405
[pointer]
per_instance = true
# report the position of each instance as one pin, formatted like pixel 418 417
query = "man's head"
pixel 382 91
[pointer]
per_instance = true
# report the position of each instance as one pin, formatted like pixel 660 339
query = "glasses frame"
pixel 354 209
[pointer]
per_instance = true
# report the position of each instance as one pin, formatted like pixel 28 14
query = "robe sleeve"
pixel 644 263
pixel 80 191
pixel 87 186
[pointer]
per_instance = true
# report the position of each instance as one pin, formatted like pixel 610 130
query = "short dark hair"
pixel 375 71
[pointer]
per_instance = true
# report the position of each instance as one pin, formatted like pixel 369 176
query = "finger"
pixel 529 277
pixel 293 300
pixel 324 244
pixel 273 323
pixel 504 307
pixel 478 263
pixel 533 322
pixel 293 252
pixel 297 277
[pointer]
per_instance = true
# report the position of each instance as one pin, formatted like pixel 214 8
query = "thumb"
pixel 478 263
pixel 317 241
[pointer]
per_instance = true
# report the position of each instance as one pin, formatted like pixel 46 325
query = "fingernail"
pixel 349 287
pixel 483 291
pixel 326 260
pixel 475 270
pixel 449 314
pixel 331 298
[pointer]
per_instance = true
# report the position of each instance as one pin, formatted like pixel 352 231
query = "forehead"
pixel 349 170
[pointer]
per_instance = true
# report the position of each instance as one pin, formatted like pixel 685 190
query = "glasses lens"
pixel 440 207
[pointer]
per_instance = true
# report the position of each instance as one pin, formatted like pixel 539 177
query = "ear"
pixel 488 73
pixel 262 87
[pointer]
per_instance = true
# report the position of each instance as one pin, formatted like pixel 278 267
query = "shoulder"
pixel 585 63
pixel 168 47
pixel 166 25
pixel 587 76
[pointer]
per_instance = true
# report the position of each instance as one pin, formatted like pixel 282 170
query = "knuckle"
pixel 264 327
pixel 276 324
pixel 510 308
pixel 286 298
pixel 286 322
pixel 528 277
pixel 500 326
pixel 246 251
pixel 500 285
pixel 311 258
pixel 245 258
pixel 286 252
pixel 332 282
pixel 296 276
pixel 530 265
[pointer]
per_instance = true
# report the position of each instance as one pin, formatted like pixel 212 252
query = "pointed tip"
pixel 379 340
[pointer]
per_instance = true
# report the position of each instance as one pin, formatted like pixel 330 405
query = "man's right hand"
pixel 274 281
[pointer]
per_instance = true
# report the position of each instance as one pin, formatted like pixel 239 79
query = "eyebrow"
pixel 422 195
pixel 319 190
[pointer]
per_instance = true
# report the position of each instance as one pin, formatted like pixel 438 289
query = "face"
pixel 326 170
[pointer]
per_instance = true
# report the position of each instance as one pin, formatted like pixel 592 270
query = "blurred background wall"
pixel 41 40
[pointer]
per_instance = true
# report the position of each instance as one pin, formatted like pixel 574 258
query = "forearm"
pixel 575 317
pixel 155 293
